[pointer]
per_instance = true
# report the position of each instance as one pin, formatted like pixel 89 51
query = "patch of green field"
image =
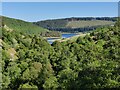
pixel 82 24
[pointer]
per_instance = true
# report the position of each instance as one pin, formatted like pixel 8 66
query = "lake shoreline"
pixel 61 35
pixel 64 37
pixel 52 37
pixel 73 37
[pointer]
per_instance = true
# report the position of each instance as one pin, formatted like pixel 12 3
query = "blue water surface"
pixel 68 35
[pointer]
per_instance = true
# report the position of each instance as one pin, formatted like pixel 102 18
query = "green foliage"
pixel 28 86
pixel 51 34
pixel 51 83
pixel 90 62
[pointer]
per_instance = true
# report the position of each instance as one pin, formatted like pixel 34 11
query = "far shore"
pixel 63 33
pixel 71 38
pixel 53 37
pixel 70 33
pixel 66 39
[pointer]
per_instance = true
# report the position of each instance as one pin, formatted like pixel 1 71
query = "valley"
pixel 74 60
pixel 59 45
pixel 52 29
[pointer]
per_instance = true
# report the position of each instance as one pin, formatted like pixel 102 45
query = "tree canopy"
pixel 90 62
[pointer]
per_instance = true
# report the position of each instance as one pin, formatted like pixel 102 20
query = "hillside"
pixel 76 24
pixel 22 26
pixel 82 24
pixel 26 27
pixel 91 62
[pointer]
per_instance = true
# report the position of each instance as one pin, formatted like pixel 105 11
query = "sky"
pixel 60 0
pixel 36 11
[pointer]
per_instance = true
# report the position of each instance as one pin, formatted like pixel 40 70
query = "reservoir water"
pixel 68 35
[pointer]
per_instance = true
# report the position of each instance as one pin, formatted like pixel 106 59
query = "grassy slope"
pixel 81 24
pixel 22 26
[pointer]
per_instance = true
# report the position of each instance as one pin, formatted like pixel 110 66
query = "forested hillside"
pixel 26 27
pixel 22 26
pixel 90 62
pixel 75 24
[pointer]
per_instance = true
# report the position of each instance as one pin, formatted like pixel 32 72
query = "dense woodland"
pixel 62 25
pixel 90 62
pixel 75 30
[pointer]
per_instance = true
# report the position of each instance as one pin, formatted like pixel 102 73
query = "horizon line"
pixel 59 18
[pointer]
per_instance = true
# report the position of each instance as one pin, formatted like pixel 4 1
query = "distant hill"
pixel 22 26
pixel 76 24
